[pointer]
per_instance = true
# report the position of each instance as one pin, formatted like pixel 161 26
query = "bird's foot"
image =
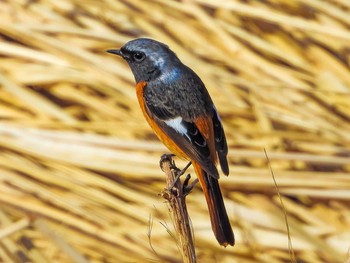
pixel 187 188
pixel 167 157
pixel 179 173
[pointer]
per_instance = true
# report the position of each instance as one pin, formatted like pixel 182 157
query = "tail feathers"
pixel 219 220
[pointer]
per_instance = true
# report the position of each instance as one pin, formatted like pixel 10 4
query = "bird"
pixel 179 109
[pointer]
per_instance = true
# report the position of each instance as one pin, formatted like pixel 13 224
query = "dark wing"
pixel 185 135
pixel 220 142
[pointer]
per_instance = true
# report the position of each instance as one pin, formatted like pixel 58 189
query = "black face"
pixel 147 58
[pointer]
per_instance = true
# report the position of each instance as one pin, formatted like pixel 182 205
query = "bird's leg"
pixel 187 188
pixel 179 173
pixel 168 157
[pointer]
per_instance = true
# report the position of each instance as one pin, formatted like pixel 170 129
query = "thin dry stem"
pixel 176 197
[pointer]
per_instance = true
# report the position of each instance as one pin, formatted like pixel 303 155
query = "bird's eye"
pixel 139 56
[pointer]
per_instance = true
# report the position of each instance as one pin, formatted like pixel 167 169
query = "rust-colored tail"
pixel 217 211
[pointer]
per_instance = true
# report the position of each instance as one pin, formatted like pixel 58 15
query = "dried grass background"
pixel 79 172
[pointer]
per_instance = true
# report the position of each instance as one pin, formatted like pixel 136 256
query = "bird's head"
pixel 146 57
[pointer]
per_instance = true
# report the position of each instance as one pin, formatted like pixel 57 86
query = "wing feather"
pixel 220 142
pixel 193 144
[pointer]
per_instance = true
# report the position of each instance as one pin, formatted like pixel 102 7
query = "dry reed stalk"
pixel 176 196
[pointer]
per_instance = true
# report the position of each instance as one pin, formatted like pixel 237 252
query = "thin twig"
pixel 176 198
pixel 290 245
pixel 149 232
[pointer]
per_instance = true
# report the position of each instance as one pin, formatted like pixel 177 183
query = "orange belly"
pixel 166 140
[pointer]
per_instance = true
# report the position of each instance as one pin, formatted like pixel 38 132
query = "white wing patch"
pixel 178 126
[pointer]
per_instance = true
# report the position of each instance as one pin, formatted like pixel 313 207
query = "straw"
pixel 79 165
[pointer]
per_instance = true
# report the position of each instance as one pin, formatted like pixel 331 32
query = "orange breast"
pixel 165 139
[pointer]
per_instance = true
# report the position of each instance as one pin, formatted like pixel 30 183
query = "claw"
pixel 179 173
pixel 167 157
pixel 187 188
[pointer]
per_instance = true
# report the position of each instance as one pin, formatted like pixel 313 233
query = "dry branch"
pixel 176 196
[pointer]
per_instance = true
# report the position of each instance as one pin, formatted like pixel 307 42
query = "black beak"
pixel 115 51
